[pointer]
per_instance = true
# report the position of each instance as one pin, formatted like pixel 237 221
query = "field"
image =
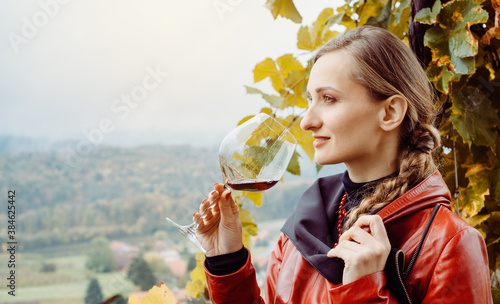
pixel 68 281
pixel 67 284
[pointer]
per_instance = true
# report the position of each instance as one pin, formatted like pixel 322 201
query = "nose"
pixel 311 120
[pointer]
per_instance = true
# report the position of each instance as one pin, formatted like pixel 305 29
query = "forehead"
pixel 334 68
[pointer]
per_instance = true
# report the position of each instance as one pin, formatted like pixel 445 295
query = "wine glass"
pixel 252 157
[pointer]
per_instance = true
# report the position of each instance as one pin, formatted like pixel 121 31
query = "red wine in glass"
pixel 251 184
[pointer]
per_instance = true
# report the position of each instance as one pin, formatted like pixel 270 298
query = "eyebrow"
pixel 321 89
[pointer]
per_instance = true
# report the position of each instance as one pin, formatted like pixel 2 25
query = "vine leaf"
pixel 309 38
pixel 284 8
pixel 277 70
pixel 428 15
pixel 474 116
pixel 273 100
pixel 452 44
pixel 293 165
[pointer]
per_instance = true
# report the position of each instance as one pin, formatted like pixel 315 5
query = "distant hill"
pixel 65 197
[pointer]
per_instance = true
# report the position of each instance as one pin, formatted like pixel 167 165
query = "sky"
pixel 124 72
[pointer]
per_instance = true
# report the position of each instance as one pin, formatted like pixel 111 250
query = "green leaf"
pixel 400 19
pixel 446 49
pixel 452 44
pixel 428 15
pixel 470 202
pixel 293 165
pixel 474 116
pixel 441 76
pixel 273 100
pixel 284 8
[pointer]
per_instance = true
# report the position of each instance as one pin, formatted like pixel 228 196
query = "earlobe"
pixel 394 111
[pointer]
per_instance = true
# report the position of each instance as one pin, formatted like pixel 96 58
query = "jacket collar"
pixel 312 225
pixel 429 192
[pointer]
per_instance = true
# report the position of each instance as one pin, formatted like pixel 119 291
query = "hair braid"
pixel 416 163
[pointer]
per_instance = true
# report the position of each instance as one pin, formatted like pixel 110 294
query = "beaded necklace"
pixel 342 214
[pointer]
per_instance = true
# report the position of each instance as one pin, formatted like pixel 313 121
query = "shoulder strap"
pixel 394 268
pixel 421 243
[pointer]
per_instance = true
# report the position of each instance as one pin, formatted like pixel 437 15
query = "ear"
pixel 393 112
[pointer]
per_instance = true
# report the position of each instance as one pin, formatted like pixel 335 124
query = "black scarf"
pixel 312 226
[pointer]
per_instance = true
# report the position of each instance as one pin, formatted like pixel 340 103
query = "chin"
pixel 323 162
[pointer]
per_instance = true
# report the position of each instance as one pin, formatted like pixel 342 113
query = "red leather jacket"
pixel 452 266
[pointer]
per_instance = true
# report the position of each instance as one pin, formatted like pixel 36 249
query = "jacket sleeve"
pixel 461 275
pixel 239 287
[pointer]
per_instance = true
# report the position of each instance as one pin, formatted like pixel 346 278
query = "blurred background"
pixel 112 116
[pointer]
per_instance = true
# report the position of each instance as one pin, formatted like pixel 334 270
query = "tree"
pixel 94 292
pixel 100 257
pixel 458 42
pixel 140 274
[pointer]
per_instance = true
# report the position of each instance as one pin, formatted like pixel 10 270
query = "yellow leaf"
pixel 159 294
pixel 311 37
pixel 287 63
pixel 267 68
pixel 304 138
pixel 246 216
pixel 284 8
pixel 196 287
pixel 477 219
pixel 268 111
pixel 263 69
pixel 255 197
pixel 245 119
pixel 304 41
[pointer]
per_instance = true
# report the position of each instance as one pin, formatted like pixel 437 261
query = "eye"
pixel 328 98
pixel 309 99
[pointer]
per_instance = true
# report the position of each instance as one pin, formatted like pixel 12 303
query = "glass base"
pixel 188 232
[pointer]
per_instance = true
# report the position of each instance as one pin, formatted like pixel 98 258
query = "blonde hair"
pixel 387 67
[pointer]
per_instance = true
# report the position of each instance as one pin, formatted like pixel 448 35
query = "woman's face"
pixel 342 115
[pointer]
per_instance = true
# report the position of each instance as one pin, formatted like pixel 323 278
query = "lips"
pixel 320 140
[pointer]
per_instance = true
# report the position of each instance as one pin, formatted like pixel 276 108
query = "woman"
pixel 371 108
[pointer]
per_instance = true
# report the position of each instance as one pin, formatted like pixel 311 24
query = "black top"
pixel 311 227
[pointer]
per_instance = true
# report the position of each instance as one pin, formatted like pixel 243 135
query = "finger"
pixel 226 204
pixel 342 251
pixel 212 196
pixel 356 234
pixel 376 225
pixel 204 204
pixel 219 187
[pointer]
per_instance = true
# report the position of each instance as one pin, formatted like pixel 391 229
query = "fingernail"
pixel 194 214
pixel 228 194
pixel 213 192
pixel 215 184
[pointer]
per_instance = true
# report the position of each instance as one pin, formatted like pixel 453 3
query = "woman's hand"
pixel 363 252
pixel 220 231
